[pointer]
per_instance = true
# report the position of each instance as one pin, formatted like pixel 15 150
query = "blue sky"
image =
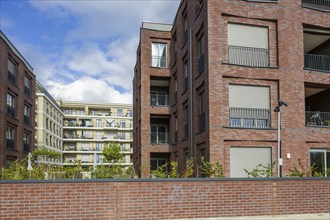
pixel 82 50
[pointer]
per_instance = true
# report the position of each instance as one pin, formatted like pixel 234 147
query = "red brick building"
pixel 17 103
pixel 208 86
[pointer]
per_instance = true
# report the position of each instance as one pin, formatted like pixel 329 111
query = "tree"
pixel 174 170
pixel 112 152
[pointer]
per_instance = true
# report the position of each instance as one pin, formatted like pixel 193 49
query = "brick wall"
pixel 162 199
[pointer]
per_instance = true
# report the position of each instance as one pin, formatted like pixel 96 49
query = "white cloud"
pixel 88 89
pixel 96 60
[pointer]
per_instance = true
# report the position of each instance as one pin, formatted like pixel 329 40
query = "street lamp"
pixel 279 159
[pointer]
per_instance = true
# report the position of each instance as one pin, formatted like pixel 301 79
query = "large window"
pixel 159 134
pixel 159 55
pixel 202 111
pixel 11 105
pixel 26 142
pixel 186 121
pixel 157 162
pixel 249 106
pixel 11 72
pixel 10 134
pixel 201 52
pixel 248 45
pixel 185 71
pixel 320 161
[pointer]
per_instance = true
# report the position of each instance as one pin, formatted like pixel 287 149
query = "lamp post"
pixel 279 159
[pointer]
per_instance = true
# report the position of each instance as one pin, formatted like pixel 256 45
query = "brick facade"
pixel 22 97
pixel 141 199
pixel 287 23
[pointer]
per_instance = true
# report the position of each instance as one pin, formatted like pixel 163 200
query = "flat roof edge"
pixel 156 26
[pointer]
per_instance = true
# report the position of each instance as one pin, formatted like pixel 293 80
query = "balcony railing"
pixel 158 100
pixel 249 117
pixel 202 121
pixel 11 78
pixel 316 118
pixel 317 62
pixel 248 56
pixel 323 5
pixel 26 119
pixel 159 138
pixel 26 91
pixel 11 111
pixel 201 63
pixel 159 61
pixel 10 144
pixel 26 147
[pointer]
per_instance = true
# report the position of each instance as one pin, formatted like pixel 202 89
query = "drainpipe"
pixel 192 153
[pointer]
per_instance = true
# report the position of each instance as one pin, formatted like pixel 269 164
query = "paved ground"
pixel 321 216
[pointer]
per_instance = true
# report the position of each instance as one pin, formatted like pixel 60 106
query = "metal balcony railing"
pixel 159 138
pixel 11 78
pixel 26 119
pixel 317 62
pixel 323 5
pixel 248 56
pixel 158 100
pixel 316 118
pixel 202 121
pixel 159 61
pixel 26 147
pixel 249 117
pixel 11 111
pixel 10 144
pixel 201 63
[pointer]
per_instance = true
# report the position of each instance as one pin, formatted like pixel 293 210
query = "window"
pixel 11 105
pixel 122 135
pixel 159 55
pixel 175 55
pixel 320 161
pixel 85 159
pixel 98 147
pixel 47 140
pixel 98 135
pixel 80 112
pixel 68 111
pixel 158 134
pixel 47 107
pixel 185 82
pixel 122 124
pixel 47 122
pixel 157 162
pixel 129 113
pixel 158 98
pixel 175 89
pixel 11 72
pixel 26 114
pixel 85 147
pixel 98 123
pixel 201 111
pixel 120 112
pixel 248 158
pixel 10 134
pixel 186 120
pixel 201 51
pixel 248 45
pixel 249 106
pixel 185 28
pixel 27 86
pixel 26 142
pixel 176 129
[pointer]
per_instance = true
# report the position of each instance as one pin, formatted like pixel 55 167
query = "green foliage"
pixel 262 171
pixel 189 168
pixel 112 152
pixel 218 170
pixel 174 169
pixel 43 151
pixel 129 172
pixel 161 171
pixel 206 168
pixel 300 171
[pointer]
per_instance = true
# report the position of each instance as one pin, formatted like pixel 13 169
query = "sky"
pixel 82 50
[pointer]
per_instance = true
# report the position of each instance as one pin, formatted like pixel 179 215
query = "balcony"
pixel 11 111
pixel 249 117
pixel 201 63
pixel 159 138
pixel 158 99
pixel 202 121
pixel 26 120
pixel 248 56
pixel 322 5
pixel 27 91
pixel 317 62
pixel 10 144
pixel 316 118
pixel 11 78
pixel 26 147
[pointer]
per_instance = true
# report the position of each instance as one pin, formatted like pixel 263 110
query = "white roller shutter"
pixel 248 36
pixel 249 96
pixel 247 158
